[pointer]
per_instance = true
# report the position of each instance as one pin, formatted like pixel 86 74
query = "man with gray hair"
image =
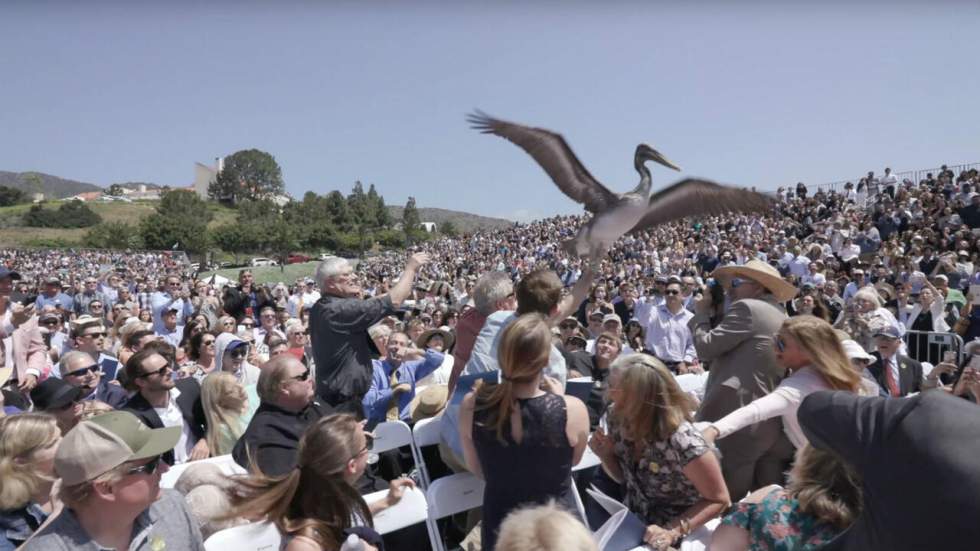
pixel 80 370
pixel 494 291
pixel 338 330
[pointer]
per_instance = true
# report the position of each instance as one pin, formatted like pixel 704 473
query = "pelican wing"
pixel 694 197
pixel 553 154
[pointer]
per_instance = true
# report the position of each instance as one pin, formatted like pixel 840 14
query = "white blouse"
pixel 784 401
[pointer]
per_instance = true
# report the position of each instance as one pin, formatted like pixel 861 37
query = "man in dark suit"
pixel 161 402
pixel 899 375
pixel 917 458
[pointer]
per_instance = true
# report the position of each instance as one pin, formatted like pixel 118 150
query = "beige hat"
pixel 762 273
pixel 106 441
pixel 855 352
pixel 447 338
pixel 428 402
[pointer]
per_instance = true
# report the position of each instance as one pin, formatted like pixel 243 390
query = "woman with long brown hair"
pixel 814 358
pixel 822 500
pixel 316 503
pixel 673 481
pixel 522 435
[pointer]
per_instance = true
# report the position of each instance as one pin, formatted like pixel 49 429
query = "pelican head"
pixel 646 153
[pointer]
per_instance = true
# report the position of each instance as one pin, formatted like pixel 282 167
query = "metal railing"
pixel 915 176
pixel 931 346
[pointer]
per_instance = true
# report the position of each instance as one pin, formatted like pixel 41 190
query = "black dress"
pixel 532 472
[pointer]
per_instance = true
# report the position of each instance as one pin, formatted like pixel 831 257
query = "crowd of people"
pixel 700 362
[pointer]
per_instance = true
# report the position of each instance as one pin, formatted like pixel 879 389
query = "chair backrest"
pixel 391 435
pixel 225 462
pixel 427 432
pixel 454 494
pixel 257 536
pixel 410 509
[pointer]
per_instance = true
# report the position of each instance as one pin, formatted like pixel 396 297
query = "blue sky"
pixel 761 94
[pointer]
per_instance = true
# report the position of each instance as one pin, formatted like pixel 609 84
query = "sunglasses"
pixel 147 468
pixel 672 292
pixel 239 352
pixel 736 282
pixel 50 322
pixel 94 368
pixel 160 371
pixel 94 335
pixel 568 325
pixel 780 343
pixel 302 376
pixel 208 343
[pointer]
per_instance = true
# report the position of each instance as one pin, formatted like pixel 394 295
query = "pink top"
pixel 784 401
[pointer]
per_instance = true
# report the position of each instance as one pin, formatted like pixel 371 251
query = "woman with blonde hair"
pixel 522 435
pixel 544 528
pixel 822 500
pixel 673 482
pixel 28 442
pixel 228 410
pixel 814 359
pixel 315 505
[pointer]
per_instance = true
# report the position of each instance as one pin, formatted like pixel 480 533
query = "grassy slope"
pixel 130 213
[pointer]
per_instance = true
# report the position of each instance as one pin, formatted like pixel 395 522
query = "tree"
pixel 336 209
pixel 235 238
pixel 11 196
pixel 247 174
pixel 448 229
pixel 71 214
pixel 410 217
pixel 180 221
pixel 113 235
pixel 357 204
pixel 382 218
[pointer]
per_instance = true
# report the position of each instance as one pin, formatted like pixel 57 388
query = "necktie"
pixel 890 380
pixel 392 414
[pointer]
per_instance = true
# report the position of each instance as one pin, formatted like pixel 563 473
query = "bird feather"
pixel 694 197
pixel 552 152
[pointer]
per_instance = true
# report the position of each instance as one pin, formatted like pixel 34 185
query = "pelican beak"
pixel 657 156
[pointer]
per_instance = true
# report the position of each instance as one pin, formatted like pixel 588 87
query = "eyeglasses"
pixel 160 371
pixel 672 292
pixel 147 468
pixel 302 376
pixel 94 368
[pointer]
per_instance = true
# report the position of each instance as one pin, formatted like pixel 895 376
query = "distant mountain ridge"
pixel 465 222
pixel 52 187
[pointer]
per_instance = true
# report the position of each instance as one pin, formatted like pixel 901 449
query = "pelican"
pixel 616 214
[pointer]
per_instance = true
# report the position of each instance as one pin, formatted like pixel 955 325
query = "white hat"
pixel 855 352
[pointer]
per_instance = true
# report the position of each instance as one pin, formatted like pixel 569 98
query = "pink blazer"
pixel 29 350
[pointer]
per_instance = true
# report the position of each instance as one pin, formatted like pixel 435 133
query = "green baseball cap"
pixel 102 443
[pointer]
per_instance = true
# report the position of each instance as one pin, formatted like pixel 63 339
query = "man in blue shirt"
pixel 173 297
pixel 393 381
pixel 52 295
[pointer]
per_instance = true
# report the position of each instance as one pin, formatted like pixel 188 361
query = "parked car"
pixel 262 261
pixel 297 259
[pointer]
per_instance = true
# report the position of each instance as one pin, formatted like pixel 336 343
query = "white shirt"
pixel 308 300
pixel 171 416
pixel 850 252
pixel 784 401
pixel 798 266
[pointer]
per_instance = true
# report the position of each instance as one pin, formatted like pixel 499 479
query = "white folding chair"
pixel 410 509
pixel 578 502
pixel 225 462
pixel 257 536
pixel 425 433
pixel 450 495
pixel 392 435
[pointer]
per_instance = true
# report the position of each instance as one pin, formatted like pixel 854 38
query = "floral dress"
pixel 777 524
pixel 656 489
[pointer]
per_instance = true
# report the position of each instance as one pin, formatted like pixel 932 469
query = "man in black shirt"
pixel 338 330
pixel 285 389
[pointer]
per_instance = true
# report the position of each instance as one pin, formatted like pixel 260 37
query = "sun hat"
pixel 447 338
pixel 763 274
pixel 428 402
pixel 104 442
pixel 54 393
pixel 855 352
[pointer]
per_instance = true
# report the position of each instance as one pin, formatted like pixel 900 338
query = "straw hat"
pixel 428 402
pixel 763 274
pixel 447 338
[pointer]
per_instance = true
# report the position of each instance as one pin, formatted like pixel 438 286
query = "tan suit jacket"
pixel 742 368
pixel 29 351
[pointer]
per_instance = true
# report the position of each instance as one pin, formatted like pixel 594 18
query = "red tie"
pixel 890 380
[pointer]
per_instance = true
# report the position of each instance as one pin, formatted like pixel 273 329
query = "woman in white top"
pixel 812 354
